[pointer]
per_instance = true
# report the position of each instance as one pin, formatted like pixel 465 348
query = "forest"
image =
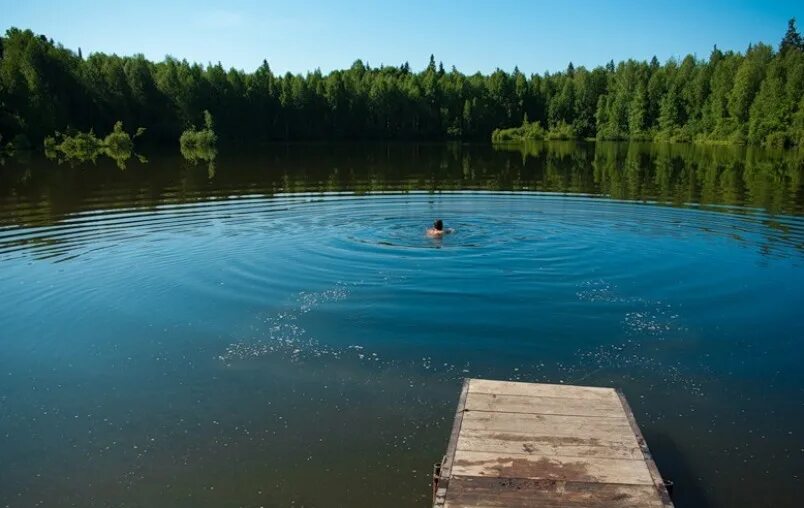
pixel 756 97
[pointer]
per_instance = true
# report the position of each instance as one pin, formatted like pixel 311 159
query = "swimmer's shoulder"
pixel 437 234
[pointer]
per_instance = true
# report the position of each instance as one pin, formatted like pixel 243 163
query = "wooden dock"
pixel 542 445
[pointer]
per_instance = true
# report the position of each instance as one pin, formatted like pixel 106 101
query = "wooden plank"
pixel 476 492
pixel 658 482
pixel 445 472
pixel 541 390
pixel 522 444
pixel 478 401
pixel 547 446
pixel 446 465
pixel 553 438
pixel 581 469
pixel 584 428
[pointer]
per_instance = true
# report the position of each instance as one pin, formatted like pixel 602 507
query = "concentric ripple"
pixel 150 351
pixel 390 222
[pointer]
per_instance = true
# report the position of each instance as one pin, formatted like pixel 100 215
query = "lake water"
pixel 274 329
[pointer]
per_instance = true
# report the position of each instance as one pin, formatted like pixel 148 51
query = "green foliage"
pixel 199 144
pixel 533 131
pixel 792 39
pixel 562 131
pixel 80 146
pixel 747 81
pixel 529 131
pixel 730 97
pixel 119 141
pixel 86 146
pixel 198 152
pixel 638 112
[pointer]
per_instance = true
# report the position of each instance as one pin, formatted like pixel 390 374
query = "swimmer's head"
pixel 438 225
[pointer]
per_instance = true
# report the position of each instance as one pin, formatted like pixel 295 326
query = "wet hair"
pixel 438 225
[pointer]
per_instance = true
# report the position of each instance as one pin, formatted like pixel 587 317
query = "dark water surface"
pixel 275 329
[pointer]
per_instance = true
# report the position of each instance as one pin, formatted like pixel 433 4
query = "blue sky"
pixel 302 35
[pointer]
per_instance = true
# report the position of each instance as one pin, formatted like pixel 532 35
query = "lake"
pixel 275 329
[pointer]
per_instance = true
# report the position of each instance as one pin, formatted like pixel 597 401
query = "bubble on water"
pixel 309 301
pixel 283 333
pixel 645 324
pixel 602 291
pixel 595 290
pixel 653 322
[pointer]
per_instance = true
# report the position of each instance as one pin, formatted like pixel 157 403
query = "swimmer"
pixel 438 230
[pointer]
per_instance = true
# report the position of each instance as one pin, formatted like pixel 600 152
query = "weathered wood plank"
pixel 584 428
pixel 661 488
pixel 541 390
pixel 553 439
pixel 442 482
pixel 547 446
pixel 478 401
pixel 580 469
pixel 521 444
pixel 476 492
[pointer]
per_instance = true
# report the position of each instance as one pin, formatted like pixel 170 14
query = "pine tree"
pixel 638 112
pixel 770 114
pixel 747 81
pixel 602 117
pixel 670 112
pixel 792 39
pixel 757 97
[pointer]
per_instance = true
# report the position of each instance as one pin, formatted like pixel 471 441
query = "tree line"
pixel 756 97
